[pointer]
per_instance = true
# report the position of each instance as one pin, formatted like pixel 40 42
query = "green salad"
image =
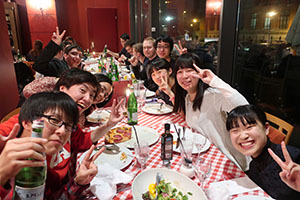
pixel 165 192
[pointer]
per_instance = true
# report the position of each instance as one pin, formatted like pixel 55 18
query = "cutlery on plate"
pixel 183 130
pixel 158 179
pixel 160 106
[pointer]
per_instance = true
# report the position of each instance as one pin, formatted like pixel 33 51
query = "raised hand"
pixel 205 75
pixel 56 37
pixel 11 135
pixel 180 49
pixel 88 170
pixel 116 114
pixel 164 86
pixel 290 173
pixel 133 61
pixel 15 156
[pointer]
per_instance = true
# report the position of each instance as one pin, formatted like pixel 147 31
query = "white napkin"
pixel 224 189
pixel 104 184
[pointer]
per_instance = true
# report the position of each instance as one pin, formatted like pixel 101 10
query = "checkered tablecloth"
pixel 221 167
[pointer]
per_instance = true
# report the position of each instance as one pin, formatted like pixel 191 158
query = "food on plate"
pixel 123 157
pixel 165 192
pixel 117 135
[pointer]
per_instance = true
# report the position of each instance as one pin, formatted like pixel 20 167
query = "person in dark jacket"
pixel 248 132
pixel 49 64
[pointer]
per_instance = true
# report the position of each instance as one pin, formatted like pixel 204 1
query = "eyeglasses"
pixel 58 123
pixel 76 54
pixel 163 46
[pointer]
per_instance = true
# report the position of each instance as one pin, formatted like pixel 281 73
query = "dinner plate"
pixel 154 108
pixel 98 116
pixel 149 93
pixel 252 197
pixel 145 134
pixel 179 181
pixel 118 161
pixel 189 134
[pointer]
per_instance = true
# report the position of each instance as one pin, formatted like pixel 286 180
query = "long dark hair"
pixel 103 78
pixel 187 61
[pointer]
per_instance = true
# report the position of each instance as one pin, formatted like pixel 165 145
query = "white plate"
pixel 153 108
pixel 113 160
pixel 148 93
pixel 179 181
pixel 145 134
pixel 98 116
pixel 252 197
pixel 188 133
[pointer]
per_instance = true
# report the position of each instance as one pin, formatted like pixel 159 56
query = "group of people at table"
pixel 67 94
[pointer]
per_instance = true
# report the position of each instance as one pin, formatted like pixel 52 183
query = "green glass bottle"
pixel 30 181
pixel 132 108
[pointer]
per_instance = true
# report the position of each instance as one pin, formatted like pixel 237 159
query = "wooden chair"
pixel 280 130
pixel 9 115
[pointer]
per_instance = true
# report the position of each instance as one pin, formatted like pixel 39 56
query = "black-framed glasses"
pixel 58 122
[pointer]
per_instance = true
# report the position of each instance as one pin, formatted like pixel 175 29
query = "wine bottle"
pixel 30 181
pixel 114 69
pixel 167 146
pixel 132 110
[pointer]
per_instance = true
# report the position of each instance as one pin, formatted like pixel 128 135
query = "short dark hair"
pixel 246 114
pixel 165 38
pixel 129 43
pixel 158 64
pixel 37 104
pixel 76 76
pixel 104 78
pixel 70 46
pixel 125 36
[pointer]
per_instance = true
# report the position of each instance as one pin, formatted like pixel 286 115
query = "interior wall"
pixel 72 16
pixel 8 84
pixel 41 24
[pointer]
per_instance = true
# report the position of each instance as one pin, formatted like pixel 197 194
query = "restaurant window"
pixel 267 23
pixel 266 68
pixel 253 21
pixel 284 17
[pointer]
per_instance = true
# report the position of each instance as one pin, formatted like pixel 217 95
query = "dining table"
pixel 221 167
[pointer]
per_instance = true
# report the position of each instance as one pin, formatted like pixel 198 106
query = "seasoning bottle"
pixel 167 146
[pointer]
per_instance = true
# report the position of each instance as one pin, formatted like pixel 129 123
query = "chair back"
pixel 9 115
pixel 283 130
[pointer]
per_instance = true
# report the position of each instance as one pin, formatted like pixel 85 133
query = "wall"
pixel 41 24
pixel 72 16
pixel 8 84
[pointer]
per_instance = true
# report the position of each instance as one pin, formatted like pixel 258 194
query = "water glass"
pixel 203 170
pixel 200 142
pixel 186 149
pixel 141 153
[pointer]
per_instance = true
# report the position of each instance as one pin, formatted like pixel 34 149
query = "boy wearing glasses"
pixel 60 114
pixel 47 65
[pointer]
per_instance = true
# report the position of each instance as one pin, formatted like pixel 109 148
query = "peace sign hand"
pixel 56 37
pixel 205 75
pixel 88 170
pixel 290 173
pixel 180 49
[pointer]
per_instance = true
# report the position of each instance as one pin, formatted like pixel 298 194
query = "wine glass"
pixel 141 153
pixel 200 142
pixel 203 170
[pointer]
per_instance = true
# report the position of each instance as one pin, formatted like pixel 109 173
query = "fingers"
pixel 178 49
pixel 98 154
pixel 14 132
pixel 277 159
pixel 179 44
pixel 286 154
pixel 197 68
pixel 62 34
pixel 88 154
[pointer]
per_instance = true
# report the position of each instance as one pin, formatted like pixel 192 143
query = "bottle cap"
pixel 167 126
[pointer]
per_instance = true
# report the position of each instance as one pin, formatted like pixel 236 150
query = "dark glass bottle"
pixel 30 181
pixel 167 146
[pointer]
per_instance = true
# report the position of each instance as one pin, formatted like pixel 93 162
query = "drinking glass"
pixel 122 108
pixel 203 170
pixel 200 142
pixel 186 149
pixel 141 153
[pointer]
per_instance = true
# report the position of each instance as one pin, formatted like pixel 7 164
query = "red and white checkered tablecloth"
pixel 221 167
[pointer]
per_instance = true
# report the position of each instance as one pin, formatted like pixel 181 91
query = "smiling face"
pixel 83 94
pixel 186 79
pixel 158 75
pixel 148 49
pixel 249 139
pixel 163 50
pixel 73 58
pixel 105 90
